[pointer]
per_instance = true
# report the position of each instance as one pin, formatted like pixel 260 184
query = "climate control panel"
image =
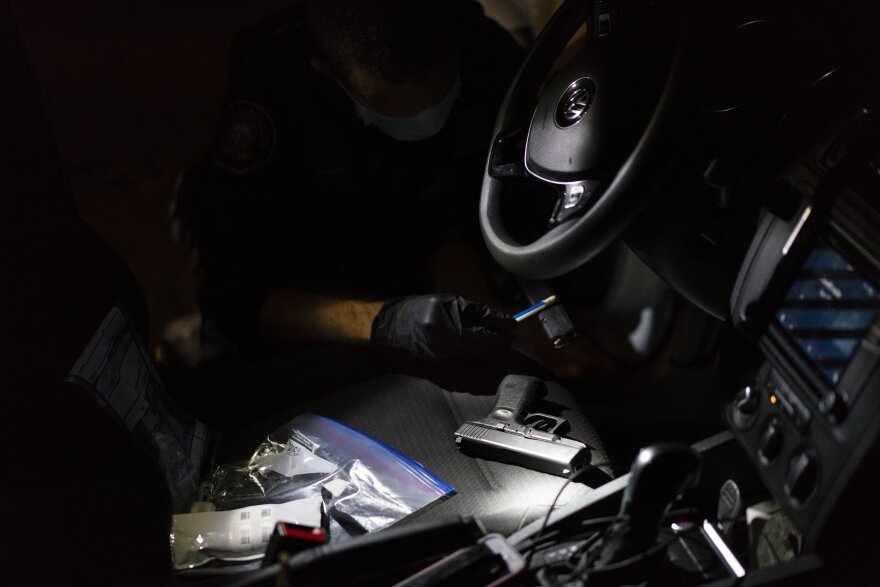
pixel 804 453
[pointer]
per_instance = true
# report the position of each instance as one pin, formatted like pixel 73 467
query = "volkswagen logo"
pixel 575 102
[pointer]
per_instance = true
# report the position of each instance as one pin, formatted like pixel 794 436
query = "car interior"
pixel 698 183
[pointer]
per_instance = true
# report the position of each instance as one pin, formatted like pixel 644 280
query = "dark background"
pixel 132 92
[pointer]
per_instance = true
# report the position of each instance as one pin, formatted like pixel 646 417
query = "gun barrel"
pixel 558 457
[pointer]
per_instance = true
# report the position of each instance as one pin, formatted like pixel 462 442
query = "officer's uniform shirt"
pixel 299 193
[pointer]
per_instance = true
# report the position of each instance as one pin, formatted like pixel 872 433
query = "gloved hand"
pixel 440 326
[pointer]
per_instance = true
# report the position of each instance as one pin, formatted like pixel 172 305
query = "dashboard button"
pixel 771 441
pixel 800 413
pixel 790 404
pixel 801 479
pixel 833 406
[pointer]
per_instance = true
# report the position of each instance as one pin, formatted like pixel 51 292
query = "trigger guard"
pixel 547 423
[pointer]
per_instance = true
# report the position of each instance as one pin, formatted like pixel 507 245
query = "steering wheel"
pixel 580 138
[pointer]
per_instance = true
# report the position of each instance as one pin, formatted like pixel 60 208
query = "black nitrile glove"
pixel 439 326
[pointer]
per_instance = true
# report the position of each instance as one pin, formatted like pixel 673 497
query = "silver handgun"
pixel 511 434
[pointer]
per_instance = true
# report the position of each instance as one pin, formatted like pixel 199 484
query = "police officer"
pixel 350 152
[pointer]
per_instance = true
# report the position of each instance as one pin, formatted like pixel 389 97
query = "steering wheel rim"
pixel 571 243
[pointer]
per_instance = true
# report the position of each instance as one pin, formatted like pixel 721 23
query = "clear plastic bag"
pixel 362 484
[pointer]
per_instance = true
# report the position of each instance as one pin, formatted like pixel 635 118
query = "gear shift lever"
pixel 660 473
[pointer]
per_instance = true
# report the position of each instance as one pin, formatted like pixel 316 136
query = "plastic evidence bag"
pixel 354 483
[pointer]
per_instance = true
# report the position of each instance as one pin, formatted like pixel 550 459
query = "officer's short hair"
pixel 395 40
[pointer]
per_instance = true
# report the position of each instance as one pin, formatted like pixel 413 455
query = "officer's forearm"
pixel 295 316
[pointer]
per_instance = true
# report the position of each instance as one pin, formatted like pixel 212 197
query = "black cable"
pixel 588 558
pixel 588 552
pixel 586 555
pixel 539 540
pixel 573 477
pixel 586 545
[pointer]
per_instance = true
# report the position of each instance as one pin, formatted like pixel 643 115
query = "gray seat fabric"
pixel 418 418
pixel 412 414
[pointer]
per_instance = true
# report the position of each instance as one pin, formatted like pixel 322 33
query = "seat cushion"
pixel 418 418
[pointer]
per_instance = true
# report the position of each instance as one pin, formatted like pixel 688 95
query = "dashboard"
pixel 809 293
pixel 802 447
pixel 771 217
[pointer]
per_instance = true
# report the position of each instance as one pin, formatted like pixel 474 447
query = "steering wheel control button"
pixel 573 199
pixel 801 479
pixel 771 441
pixel 573 195
pixel 575 102
pixel 745 406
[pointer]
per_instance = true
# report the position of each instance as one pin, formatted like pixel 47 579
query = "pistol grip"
pixel 515 395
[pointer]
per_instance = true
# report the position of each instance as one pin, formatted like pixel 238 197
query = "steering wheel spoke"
pixel 506 159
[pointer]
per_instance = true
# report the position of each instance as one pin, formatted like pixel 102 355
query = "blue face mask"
pixel 417 127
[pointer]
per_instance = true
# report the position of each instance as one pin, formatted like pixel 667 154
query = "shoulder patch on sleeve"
pixel 247 137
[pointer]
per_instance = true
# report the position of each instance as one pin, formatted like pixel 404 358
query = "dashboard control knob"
pixel 745 406
pixel 833 406
pixel 771 441
pixel 802 478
